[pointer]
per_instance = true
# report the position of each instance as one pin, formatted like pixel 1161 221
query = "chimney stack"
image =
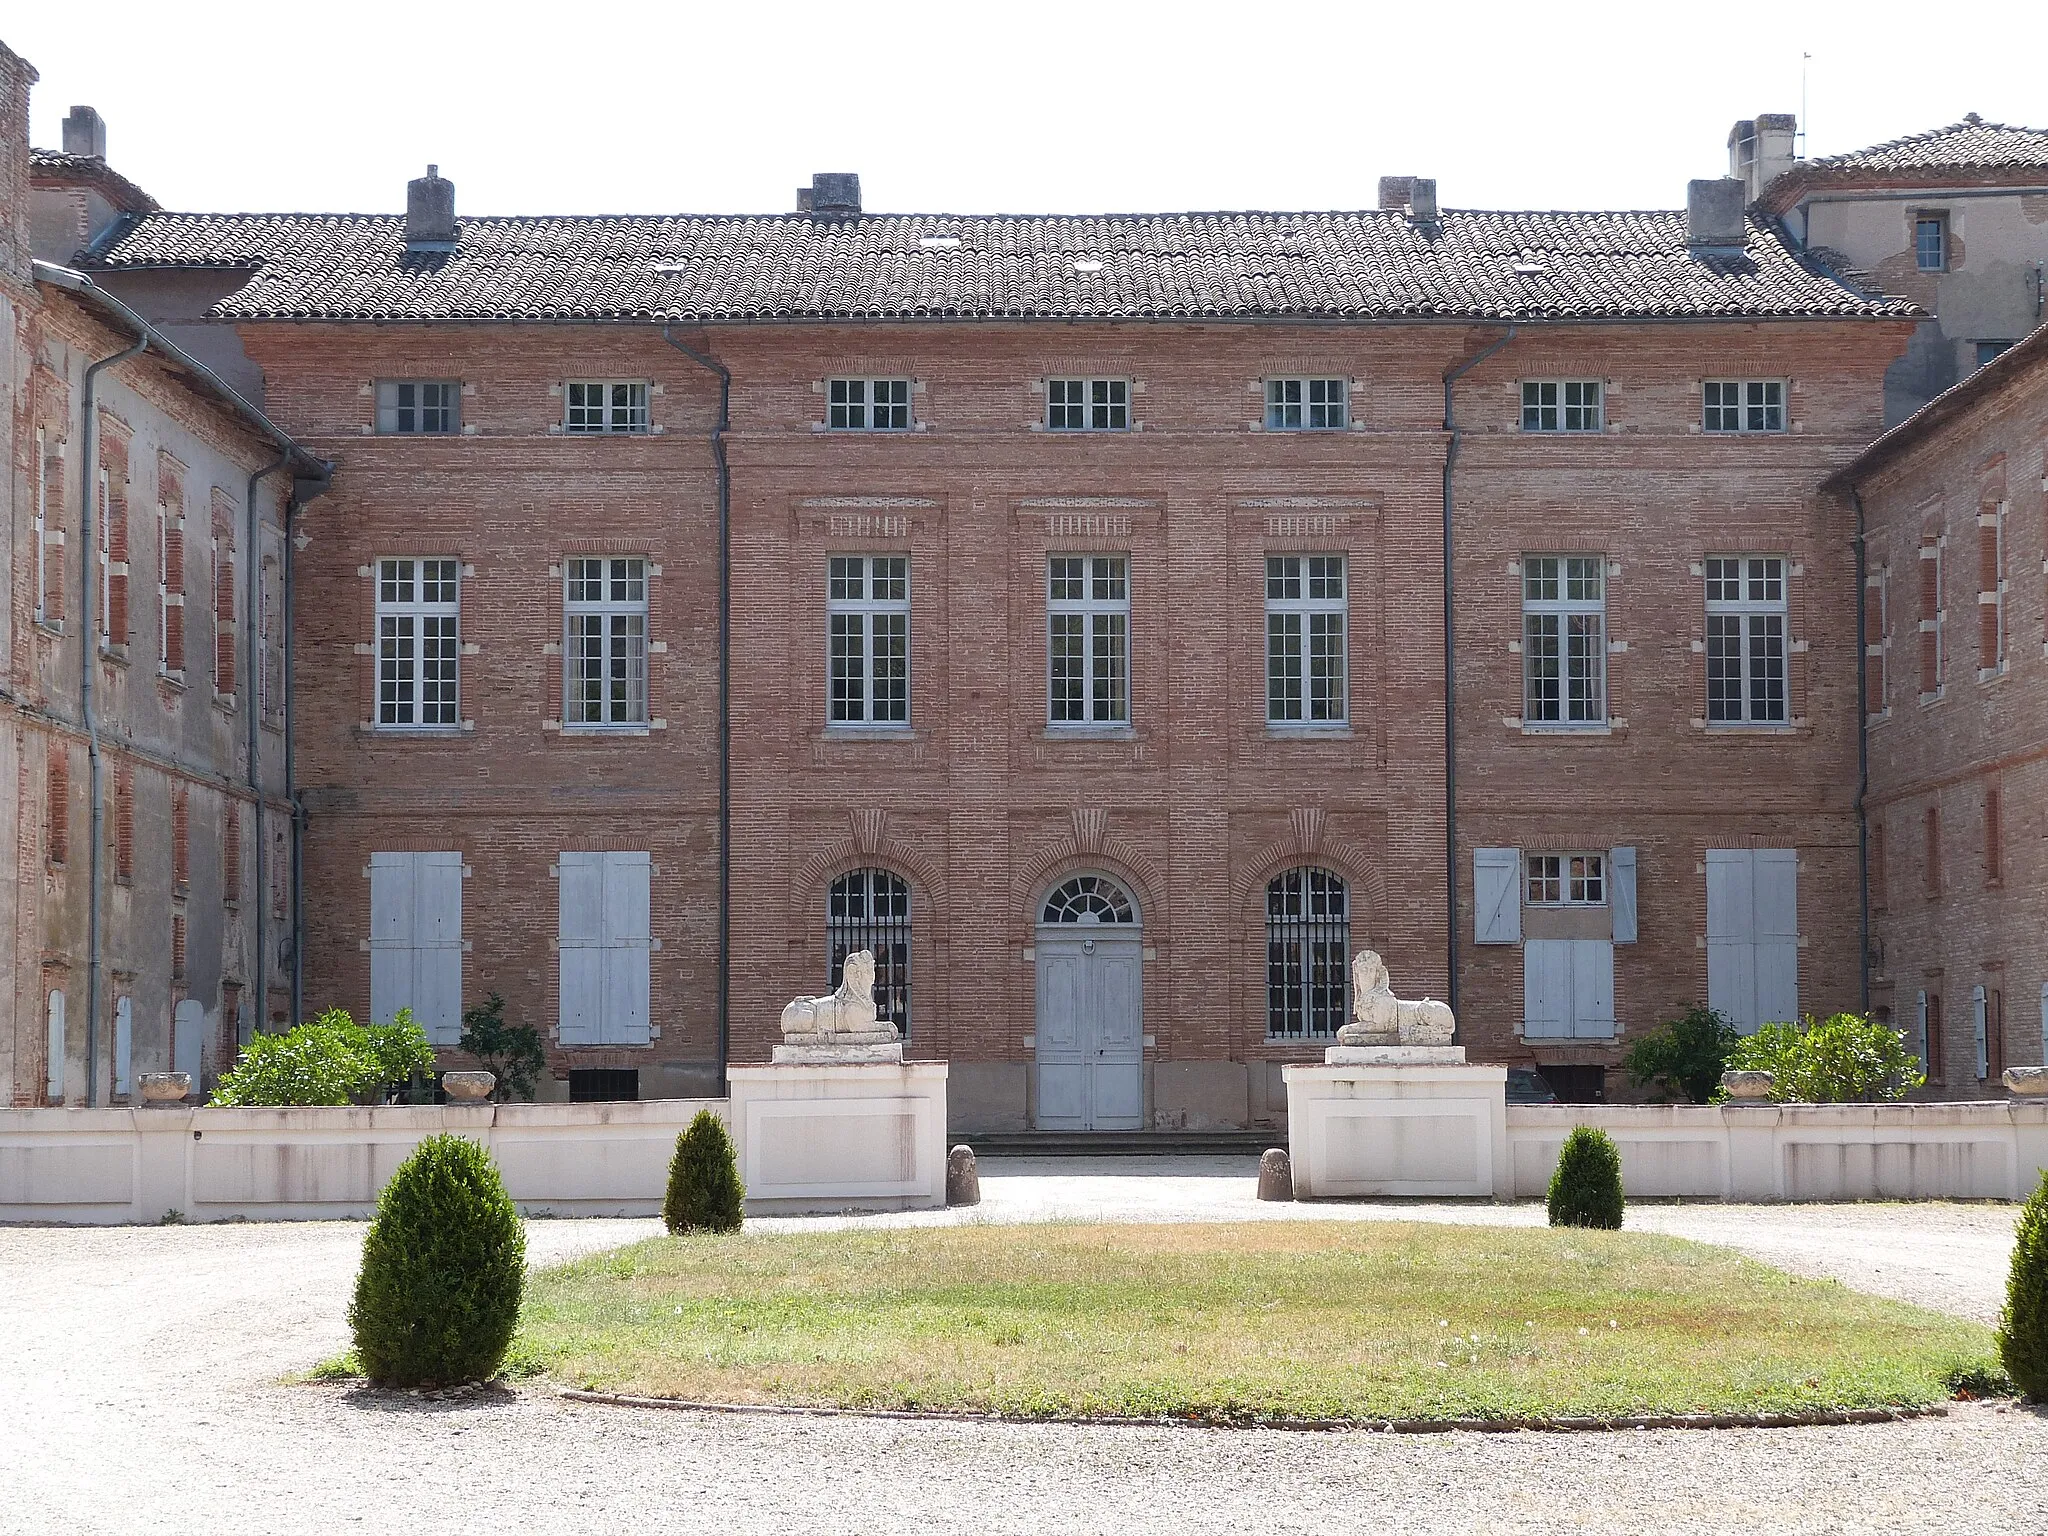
pixel 1714 215
pixel 85 133
pixel 1422 200
pixel 430 213
pixel 831 195
pixel 1395 192
pixel 1761 149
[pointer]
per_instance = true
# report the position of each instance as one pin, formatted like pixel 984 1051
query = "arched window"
pixel 870 909
pixel 1308 954
pixel 1089 899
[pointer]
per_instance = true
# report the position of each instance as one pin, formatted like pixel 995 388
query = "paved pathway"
pixel 139 1369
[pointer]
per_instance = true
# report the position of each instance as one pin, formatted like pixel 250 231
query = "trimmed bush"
pixel 1844 1058
pixel 444 1261
pixel 330 1059
pixel 1585 1190
pixel 704 1189
pixel 2023 1325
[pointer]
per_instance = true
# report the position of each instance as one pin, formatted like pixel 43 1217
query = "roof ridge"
pixel 877 217
pixel 1969 123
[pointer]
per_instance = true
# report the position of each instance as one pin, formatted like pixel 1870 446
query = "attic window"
pixel 938 242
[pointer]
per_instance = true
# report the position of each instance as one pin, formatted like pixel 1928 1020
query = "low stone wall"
pixel 109 1166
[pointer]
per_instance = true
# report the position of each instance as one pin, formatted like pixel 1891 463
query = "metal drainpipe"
pixel 1862 747
pixel 703 360
pixel 1451 674
pixel 252 707
pixel 87 644
pixel 318 486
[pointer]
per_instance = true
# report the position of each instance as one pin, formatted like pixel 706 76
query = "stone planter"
pixel 2028 1082
pixel 1747 1087
pixel 164 1087
pixel 468 1087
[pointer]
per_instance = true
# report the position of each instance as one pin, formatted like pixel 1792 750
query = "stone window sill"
pixel 1337 730
pixel 1088 733
pixel 851 732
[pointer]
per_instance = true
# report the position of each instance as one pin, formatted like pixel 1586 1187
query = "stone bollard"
pixel 165 1087
pixel 2027 1082
pixel 1747 1087
pixel 1276 1174
pixel 963 1178
pixel 468 1087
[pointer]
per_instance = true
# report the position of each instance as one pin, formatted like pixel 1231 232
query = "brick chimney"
pixel 17 75
pixel 831 195
pixel 1394 192
pixel 1714 215
pixel 85 133
pixel 1761 149
pixel 430 212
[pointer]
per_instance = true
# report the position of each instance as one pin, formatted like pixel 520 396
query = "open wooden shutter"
pixel 1592 1006
pixel 437 946
pixel 188 1039
pixel 581 941
pixel 1777 934
pixel 1496 893
pixel 54 1082
pixel 124 1047
pixel 1731 936
pixel 1621 892
pixel 1979 1023
pixel 1547 989
pixel 628 940
pixel 393 897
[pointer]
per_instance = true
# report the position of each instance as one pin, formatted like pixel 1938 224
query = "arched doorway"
pixel 1091 1029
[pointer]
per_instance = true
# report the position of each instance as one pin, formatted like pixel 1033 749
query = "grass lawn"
pixel 1340 1320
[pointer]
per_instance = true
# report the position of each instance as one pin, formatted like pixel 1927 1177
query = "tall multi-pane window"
pixel 418 643
pixel 1930 242
pixel 1561 405
pixel 1087 405
pixel 106 557
pixel 868 639
pixel 1990 591
pixel 1305 622
pixel 870 909
pixel 606 641
pixel 1306 405
pixel 1308 955
pixel 1088 620
pixel 170 592
pixel 1565 879
pixel 428 406
pixel 1746 640
pixel 1564 639
pixel 42 529
pixel 1744 405
pixel 1933 618
pixel 605 405
pixel 868 405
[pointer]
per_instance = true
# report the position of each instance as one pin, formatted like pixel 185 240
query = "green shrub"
pixel 329 1059
pixel 1684 1055
pixel 1842 1059
pixel 1585 1189
pixel 704 1189
pixel 437 1296
pixel 2023 1325
pixel 512 1051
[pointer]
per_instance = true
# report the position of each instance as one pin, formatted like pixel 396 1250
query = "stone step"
pixel 1118 1143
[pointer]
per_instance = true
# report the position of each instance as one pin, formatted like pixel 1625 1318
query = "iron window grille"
pixel 1088 900
pixel 1306 405
pixel 870 909
pixel 868 639
pixel 1088 405
pixel 1088 617
pixel 1746 640
pixel 1930 243
pixel 1744 405
pixel 595 406
pixel 1305 629
pixel 1566 880
pixel 868 405
pixel 606 648
pixel 1561 405
pixel 1564 640
pixel 418 644
pixel 418 406
pixel 1308 955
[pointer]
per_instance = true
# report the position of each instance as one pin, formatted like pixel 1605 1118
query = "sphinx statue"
pixel 1378 1018
pixel 842 1018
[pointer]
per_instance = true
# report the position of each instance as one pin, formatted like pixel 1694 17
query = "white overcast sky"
pixel 578 106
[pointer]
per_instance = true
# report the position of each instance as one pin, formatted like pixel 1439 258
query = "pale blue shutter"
pixel 1592 972
pixel 1621 892
pixel 1496 895
pixel 188 1038
pixel 124 1046
pixel 1731 937
pixel 437 946
pixel 392 926
pixel 1979 1013
pixel 580 935
pixel 54 1085
pixel 628 939
pixel 1546 989
pixel 1777 934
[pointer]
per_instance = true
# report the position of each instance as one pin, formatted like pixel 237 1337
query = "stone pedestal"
pixel 1397 1120
pixel 821 1130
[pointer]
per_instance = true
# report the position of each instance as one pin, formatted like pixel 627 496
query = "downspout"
pixel 304 489
pixel 1451 671
pixel 1862 747
pixel 718 432
pixel 252 708
pixel 88 644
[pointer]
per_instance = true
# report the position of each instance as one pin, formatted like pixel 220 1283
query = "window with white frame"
pixel 418 406
pixel 1744 405
pixel 1306 405
pixel 867 602
pixel 170 659
pixel 1930 242
pixel 1565 879
pixel 42 530
pixel 1561 405
pixel 605 405
pixel 1564 640
pixel 1746 640
pixel 606 644
pixel 418 642
pixel 1088 618
pixel 1305 628
pixel 1088 405
pixel 868 405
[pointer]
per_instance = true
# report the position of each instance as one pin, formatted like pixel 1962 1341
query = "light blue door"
pixel 1091 1074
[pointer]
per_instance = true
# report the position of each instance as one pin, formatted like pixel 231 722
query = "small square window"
pixel 1306 405
pixel 1744 405
pixel 418 406
pixel 1930 242
pixel 868 405
pixel 1087 405
pixel 1987 350
pixel 605 406
pixel 1561 405
pixel 1566 880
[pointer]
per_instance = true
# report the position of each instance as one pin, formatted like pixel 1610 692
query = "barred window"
pixel 870 909
pixel 606 644
pixel 868 639
pixel 1564 639
pixel 418 405
pixel 1745 405
pixel 605 406
pixel 1561 405
pixel 418 645
pixel 1308 955
pixel 1088 617
pixel 1087 405
pixel 868 405
pixel 1305 625
pixel 1746 640
pixel 1566 880
pixel 1305 405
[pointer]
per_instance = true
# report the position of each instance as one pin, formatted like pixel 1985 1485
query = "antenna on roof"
pixel 1799 148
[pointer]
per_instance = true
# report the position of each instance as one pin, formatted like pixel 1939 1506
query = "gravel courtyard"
pixel 139 1372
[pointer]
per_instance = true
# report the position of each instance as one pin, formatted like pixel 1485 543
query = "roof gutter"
pixel 1911 315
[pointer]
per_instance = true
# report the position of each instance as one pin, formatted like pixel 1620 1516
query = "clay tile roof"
pixel 1344 265
pixel 1970 148
pixel 51 167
